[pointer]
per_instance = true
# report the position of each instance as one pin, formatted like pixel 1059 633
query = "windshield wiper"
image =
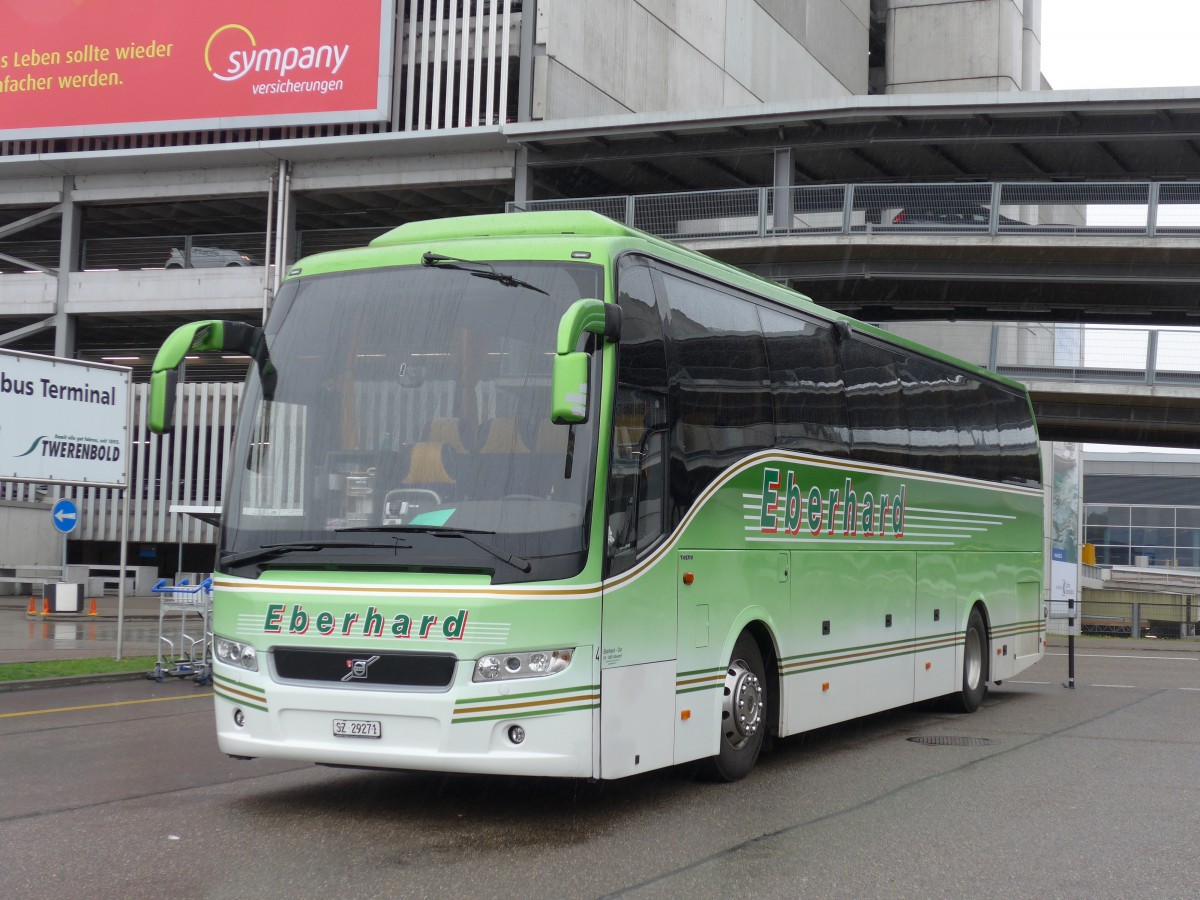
pixel 521 565
pixel 271 551
pixel 478 269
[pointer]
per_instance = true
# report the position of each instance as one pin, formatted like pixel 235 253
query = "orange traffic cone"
pixel 46 606
pixel 92 608
pixel 32 606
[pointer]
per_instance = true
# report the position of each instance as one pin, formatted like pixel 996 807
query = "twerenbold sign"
pixel 63 421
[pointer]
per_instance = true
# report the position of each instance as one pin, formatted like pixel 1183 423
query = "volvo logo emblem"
pixel 358 668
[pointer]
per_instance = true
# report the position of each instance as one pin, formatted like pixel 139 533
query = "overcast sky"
pixel 1120 43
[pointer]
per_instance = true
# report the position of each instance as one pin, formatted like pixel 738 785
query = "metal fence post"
pixel 629 207
pixel 1151 356
pixel 847 208
pixel 1135 625
pixel 994 348
pixel 1071 643
pixel 994 212
pixel 762 212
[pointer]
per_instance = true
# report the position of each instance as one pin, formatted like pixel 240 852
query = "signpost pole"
pixel 124 558
pixel 124 522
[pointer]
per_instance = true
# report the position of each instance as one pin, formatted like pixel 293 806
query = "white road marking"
pixel 1154 656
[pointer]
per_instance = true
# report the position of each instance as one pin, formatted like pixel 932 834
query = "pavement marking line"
pixel 1012 681
pixel 1117 656
pixel 61 709
pixel 1130 686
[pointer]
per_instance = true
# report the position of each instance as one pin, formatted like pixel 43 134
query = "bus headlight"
pixel 235 653
pixel 532 664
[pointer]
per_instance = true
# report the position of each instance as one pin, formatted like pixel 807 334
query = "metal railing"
pixel 1068 352
pixel 170 251
pixel 1166 621
pixel 194 251
pixel 1145 209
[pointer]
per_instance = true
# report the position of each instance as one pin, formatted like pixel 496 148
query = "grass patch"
pixel 59 668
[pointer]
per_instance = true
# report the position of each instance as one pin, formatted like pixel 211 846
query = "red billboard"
pixel 70 67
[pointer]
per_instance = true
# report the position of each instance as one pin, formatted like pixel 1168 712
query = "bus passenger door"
pixel 638 627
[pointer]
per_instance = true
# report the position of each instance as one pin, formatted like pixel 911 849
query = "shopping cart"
pixel 184 654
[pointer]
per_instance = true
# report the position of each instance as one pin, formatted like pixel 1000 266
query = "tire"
pixel 975 665
pixel 743 713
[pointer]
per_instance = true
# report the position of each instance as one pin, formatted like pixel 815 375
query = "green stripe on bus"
pixel 699 687
pixel 946 635
pixel 519 714
pixel 240 701
pixel 507 697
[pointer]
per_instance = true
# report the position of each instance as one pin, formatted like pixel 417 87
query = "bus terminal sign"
pixel 63 421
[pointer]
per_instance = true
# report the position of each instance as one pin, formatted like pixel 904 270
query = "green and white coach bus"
pixel 541 494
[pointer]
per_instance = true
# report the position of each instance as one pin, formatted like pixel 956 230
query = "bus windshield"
pixel 411 405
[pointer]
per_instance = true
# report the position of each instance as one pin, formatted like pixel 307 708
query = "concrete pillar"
pixel 961 45
pixel 784 166
pixel 1031 46
pixel 522 188
pixel 68 262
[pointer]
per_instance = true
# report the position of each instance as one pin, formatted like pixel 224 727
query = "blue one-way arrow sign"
pixel 64 516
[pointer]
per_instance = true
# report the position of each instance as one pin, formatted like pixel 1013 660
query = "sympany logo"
pixel 247 57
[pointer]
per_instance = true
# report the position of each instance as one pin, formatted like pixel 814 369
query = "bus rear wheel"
pixel 743 713
pixel 975 665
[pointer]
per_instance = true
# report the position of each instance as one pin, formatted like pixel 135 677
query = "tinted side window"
pixel 878 422
pixel 929 392
pixel 978 435
pixel 724 399
pixel 642 358
pixel 637 466
pixel 806 383
pixel 1021 462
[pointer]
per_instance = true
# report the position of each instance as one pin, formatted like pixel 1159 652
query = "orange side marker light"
pixel 688 577
pixel 685 714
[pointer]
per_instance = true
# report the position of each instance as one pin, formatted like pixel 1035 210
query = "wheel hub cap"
pixel 743 705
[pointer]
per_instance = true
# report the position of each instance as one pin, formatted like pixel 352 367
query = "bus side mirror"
pixel 569 383
pixel 210 334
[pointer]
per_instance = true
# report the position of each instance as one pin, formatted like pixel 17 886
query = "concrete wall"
pixel 653 55
pixel 27 538
pixel 963 45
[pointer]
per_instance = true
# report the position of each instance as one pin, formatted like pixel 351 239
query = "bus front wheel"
pixel 975 665
pixel 743 713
